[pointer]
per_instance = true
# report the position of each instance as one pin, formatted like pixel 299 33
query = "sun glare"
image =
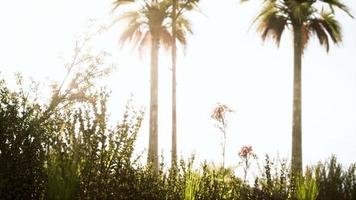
pixel 224 61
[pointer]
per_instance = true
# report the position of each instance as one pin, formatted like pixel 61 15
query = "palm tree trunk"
pixel 297 103
pixel 174 84
pixel 153 137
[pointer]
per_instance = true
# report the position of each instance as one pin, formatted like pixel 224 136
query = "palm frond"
pixel 164 5
pixel 303 16
pixel 184 24
pixel 272 25
pixel 118 3
pixel 186 5
pixel 338 4
pixel 146 41
pixel 332 26
pixel 128 16
pixel 301 12
pixel 131 34
pixel 152 18
pixel 155 16
pixel 315 26
pixel 136 39
pixel 165 38
pixel 268 8
pixel 181 37
pixel 305 36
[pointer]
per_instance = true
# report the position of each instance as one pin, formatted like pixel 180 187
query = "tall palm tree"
pixel 147 27
pixel 180 26
pixel 305 18
pixel 174 84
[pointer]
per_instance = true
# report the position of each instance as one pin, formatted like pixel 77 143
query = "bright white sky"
pixel 225 62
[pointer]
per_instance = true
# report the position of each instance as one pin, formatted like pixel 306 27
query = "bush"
pixel 88 159
pixel 22 173
pixel 334 182
pixel 73 153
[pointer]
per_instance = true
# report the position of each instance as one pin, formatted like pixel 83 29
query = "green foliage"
pixel 275 182
pixel 91 160
pixel 76 154
pixel 63 179
pixel 306 187
pixel 306 16
pixel 334 182
pixel 22 174
pixel 191 186
pixel 219 183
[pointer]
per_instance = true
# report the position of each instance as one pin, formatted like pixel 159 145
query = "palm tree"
pixel 174 82
pixel 180 26
pixel 304 18
pixel 150 25
pixel 147 27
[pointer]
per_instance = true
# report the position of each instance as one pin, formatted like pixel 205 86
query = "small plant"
pixel 306 187
pixel 219 115
pixel 191 185
pixel 246 155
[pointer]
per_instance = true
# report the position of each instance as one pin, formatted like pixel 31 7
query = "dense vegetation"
pixel 75 154
pixel 67 149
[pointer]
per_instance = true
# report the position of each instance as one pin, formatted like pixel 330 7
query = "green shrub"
pixel 73 153
pixel 275 184
pixel 22 174
pixel 306 187
pixel 334 182
pixel 88 159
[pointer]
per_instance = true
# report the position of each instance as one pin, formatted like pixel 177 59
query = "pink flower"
pixel 219 112
pixel 247 151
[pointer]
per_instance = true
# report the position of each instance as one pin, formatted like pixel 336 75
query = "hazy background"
pixel 225 62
